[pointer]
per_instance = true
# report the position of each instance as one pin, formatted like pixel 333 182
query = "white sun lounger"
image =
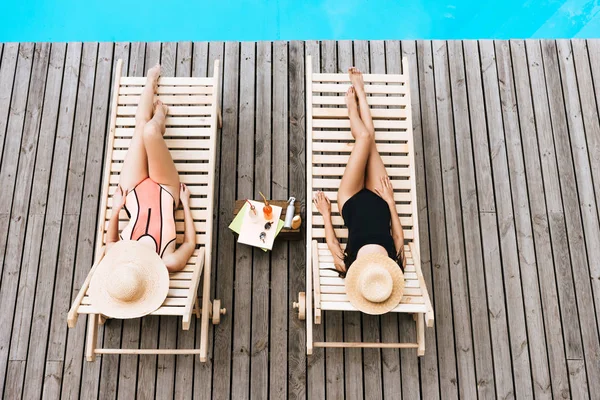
pixel 193 121
pixel 328 145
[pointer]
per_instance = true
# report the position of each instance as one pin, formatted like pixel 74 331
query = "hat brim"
pixel 152 269
pixel 352 281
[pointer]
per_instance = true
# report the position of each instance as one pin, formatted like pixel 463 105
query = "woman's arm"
pixel 387 193
pixel 324 206
pixel 177 260
pixel 112 233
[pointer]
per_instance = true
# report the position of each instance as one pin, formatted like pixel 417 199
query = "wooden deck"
pixel 507 136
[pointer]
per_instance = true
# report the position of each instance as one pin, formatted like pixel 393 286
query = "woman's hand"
pixel 387 191
pixel 322 203
pixel 119 198
pixel 184 195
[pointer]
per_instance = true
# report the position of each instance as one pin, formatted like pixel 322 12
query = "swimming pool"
pixel 110 20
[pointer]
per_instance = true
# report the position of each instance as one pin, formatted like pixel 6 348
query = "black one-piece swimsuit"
pixel 367 217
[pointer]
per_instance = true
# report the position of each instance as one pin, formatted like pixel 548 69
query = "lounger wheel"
pixel 217 311
pixel 301 305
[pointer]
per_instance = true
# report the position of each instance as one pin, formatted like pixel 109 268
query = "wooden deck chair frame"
pixel 193 121
pixel 328 146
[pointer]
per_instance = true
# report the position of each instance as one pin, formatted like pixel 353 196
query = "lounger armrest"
pixel 193 293
pixel 72 315
pixel 429 317
pixel 316 281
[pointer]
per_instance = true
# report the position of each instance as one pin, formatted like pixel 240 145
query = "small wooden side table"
pixel 285 234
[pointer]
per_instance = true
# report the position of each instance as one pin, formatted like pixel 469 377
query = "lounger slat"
pixel 344 298
pixel 394 148
pixel 170 132
pixel 367 78
pixel 337 220
pixel 346 136
pixel 391 100
pixel 170 121
pixel 397 184
pixel 398 196
pixel 377 113
pixel 178 155
pixel 195 202
pixel 172 144
pixel 170 99
pixel 167 80
pixel 401 208
pixel 403 308
pixel 197 215
pixel 369 89
pixel 179 226
pixel 343 233
pixel 397 172
pixel 345 124
pixel 328 159
pixel 198 179
pixel 127 111
pixel 187 167
pixel 163 89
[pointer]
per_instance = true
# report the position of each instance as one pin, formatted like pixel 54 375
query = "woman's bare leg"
pixel 375 168
pixel 353 179
pixel 161 167
pixel 135 166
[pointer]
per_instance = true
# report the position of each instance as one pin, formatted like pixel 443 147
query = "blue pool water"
pixel 132 20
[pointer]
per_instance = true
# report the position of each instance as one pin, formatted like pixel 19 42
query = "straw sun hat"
pixel 374 284
pixel 130 281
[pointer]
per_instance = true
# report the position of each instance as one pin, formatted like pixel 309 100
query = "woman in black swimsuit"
pixel 366 196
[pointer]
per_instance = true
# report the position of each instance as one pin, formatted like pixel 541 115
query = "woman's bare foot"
pixel 153 75
pixel 351 101
pixel 356 78
pixel 160 114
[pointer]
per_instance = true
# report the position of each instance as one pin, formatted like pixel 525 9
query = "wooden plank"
pixel 7 78
pixel 531 292
pixel 50 345
pixel 566 291
pixel 225 276
pixel 279 257
pixel 592 131
pixel 128 371
pixel 296 374
pixel 31 184
pixel 508 246
pixel 243 265
pixel 409 362
pixel 8 178
pixel 18 245
pixel 455 260
pixel 575 178
pixel 21 347
pixel 259 342
pixel 184 364
pixel 482 351
pixel 68 346
pixel 489 232
pixel 91 186
pixel 471 258
pixel 440 274
pixel 150 326
pixel 541 237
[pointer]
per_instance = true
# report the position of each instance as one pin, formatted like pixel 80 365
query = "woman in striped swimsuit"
pixel 149 186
